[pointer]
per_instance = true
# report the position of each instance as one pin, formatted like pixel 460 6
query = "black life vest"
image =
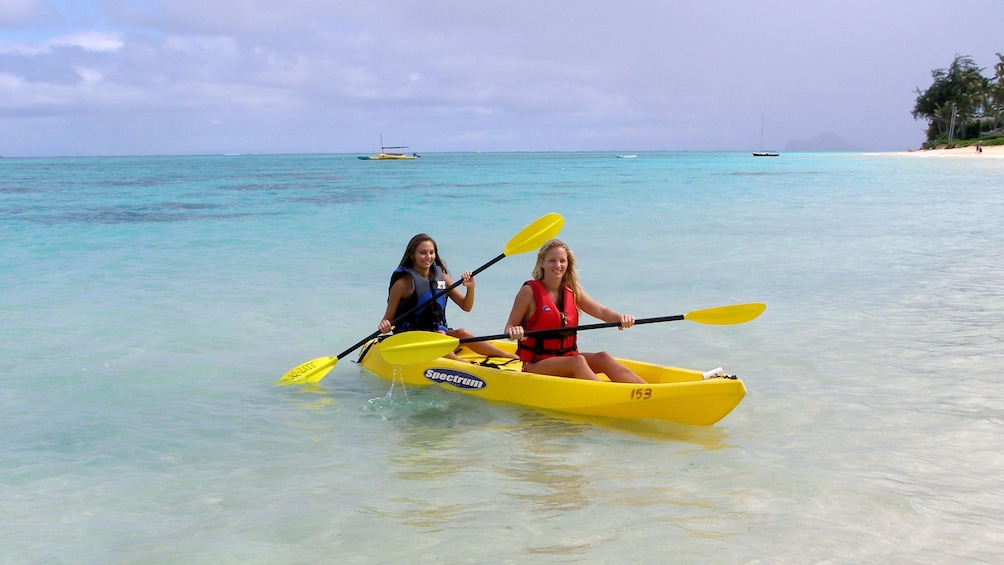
pixel 431 317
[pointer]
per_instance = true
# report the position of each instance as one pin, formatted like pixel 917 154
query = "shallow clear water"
pixel 149 304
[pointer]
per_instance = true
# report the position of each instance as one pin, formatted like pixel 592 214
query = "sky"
pixel 169 77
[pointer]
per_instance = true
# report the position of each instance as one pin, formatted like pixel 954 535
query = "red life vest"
pixel 546 316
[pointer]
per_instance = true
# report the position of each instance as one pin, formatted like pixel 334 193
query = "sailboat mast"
pixel 761 133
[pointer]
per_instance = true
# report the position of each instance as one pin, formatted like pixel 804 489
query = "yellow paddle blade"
pixel 309 372
pixel 727 315
pixel 533 236
pixel 409 348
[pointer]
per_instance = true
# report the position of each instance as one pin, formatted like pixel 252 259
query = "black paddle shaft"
pixel 572 329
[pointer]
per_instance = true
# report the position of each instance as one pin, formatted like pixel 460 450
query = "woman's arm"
pixel 465 301
pixel 400 290
pixel 522 309
pixel 605 313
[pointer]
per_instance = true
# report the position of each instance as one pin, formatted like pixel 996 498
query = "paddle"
pixel 528 239
pixel 409 348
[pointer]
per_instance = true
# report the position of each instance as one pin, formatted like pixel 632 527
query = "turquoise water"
pixel 149 304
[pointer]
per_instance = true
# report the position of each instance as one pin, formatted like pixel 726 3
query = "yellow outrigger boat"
pixel 678 395
pixel 383 155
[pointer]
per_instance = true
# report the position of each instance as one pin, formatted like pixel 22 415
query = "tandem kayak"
pixel 672 394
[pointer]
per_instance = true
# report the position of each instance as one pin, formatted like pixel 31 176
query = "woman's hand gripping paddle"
pixel 528 239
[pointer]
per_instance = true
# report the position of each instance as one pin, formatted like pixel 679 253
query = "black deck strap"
pixel 362 354
pixel 488 362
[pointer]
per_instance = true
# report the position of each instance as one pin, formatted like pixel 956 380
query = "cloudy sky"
pixel 127 77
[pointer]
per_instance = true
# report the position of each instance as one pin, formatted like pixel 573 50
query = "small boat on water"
pixel 631 156
pixel 761 152
pixel 672 394
pixel 385 155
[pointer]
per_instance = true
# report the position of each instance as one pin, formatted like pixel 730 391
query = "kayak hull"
pixel 671 393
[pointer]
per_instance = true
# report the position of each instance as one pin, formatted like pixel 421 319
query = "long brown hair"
pixel 571 279
pixel 409 252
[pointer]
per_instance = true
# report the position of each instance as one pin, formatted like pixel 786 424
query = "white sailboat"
pixel 763 153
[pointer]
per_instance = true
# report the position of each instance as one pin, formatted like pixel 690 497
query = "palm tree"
pixel 995 106
pixel 962 87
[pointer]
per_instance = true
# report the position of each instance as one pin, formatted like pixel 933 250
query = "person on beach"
pixel 420 275
pixel 552 299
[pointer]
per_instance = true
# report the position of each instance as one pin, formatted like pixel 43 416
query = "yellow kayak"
pixel 672 394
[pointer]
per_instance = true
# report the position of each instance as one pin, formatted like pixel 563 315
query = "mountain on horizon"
pixel 827 141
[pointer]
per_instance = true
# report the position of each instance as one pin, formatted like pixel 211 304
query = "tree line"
pixel 962 105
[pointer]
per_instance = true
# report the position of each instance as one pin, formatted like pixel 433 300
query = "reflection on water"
pixel 705 437
pixel 463 460
pixel 543 469
pixel 420 513
pixel 323 396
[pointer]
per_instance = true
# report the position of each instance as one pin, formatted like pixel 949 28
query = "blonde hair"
pixel 571 279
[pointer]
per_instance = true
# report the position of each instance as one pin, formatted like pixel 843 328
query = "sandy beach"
pixel 991 152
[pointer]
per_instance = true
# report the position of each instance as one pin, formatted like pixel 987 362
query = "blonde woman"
pixel 552 300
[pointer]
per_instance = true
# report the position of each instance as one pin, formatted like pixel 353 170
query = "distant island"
pixel 962 107
pixel 827 141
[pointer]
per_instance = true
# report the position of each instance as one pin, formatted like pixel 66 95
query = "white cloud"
pixel 10 81
pixel 91 41
pixel 89 76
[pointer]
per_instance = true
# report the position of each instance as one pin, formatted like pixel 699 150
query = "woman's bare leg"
pixel 605 363
pixel 574 366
